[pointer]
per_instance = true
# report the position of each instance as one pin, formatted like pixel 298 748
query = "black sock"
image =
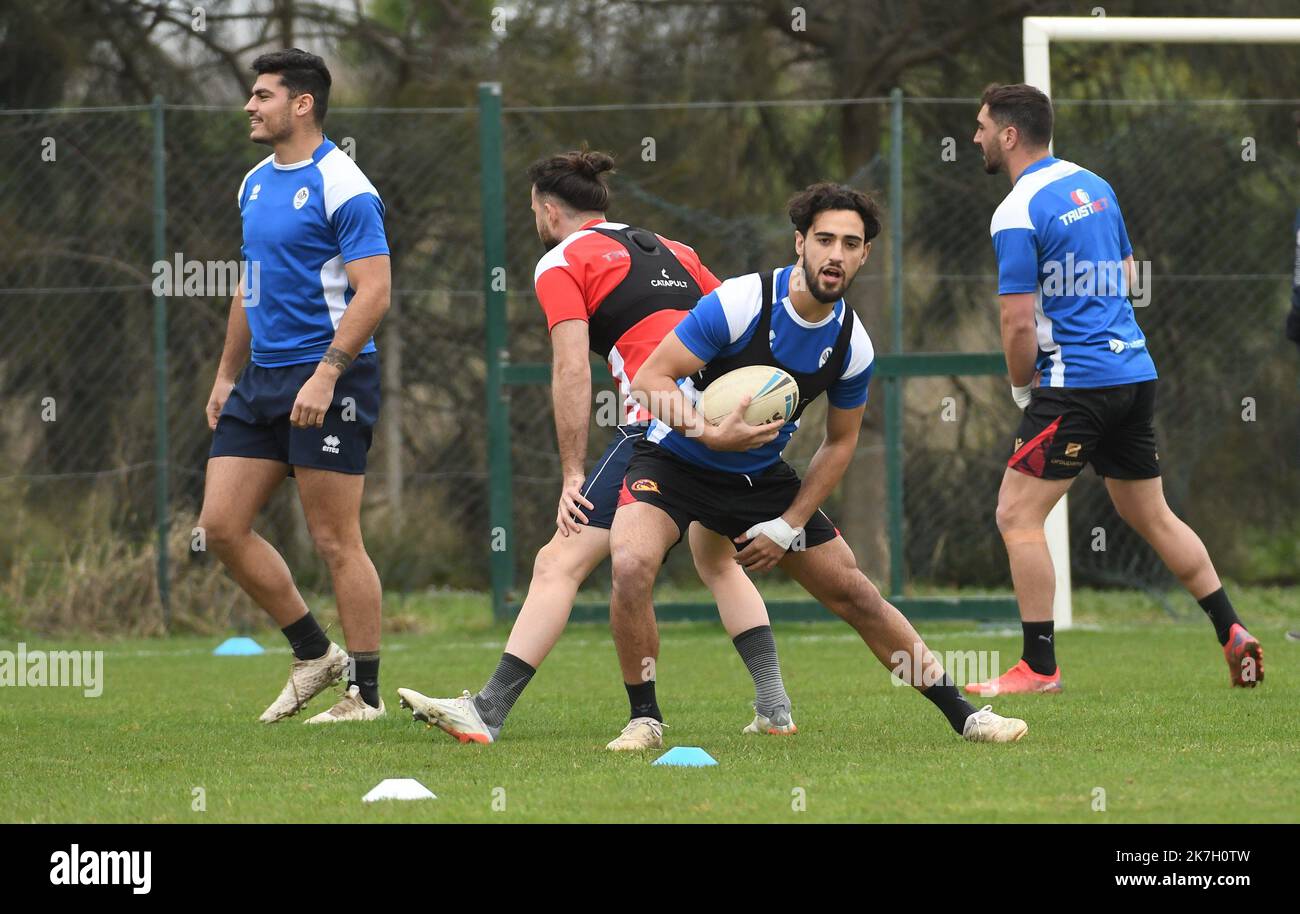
pixel 948 700
pixel 364 670
pixel 1040 651
pixel 1219 608
pixel 642 698
pixel 495 699
pixel 306 638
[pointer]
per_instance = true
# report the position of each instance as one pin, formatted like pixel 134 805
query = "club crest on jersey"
pixel 826 354
pixel 300 198
pixel 645 485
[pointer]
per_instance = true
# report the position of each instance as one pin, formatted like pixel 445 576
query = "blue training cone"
pixel 238 647
pixel 686 756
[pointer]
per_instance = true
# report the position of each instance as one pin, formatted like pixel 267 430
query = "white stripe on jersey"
pixel 741 298
pixel 555 256
pixel 861 352
pixel 617 369
pixel 239 197
pixel 1043 324
pixel 333 283
pixel 1013 211
pixel 342 180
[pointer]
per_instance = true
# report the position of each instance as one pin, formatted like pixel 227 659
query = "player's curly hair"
pixel 1021 106
pixel 302 73
pixel 817 198
pixel 575 178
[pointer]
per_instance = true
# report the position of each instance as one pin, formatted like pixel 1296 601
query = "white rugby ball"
pixel 775 395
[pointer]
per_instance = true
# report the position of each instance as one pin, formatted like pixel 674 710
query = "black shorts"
pixel 1110 427
pixel 255 420
pixel 726 503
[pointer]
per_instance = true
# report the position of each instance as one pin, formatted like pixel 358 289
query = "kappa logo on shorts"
pixel 645 485
pixel 1072 449
pixel 331 445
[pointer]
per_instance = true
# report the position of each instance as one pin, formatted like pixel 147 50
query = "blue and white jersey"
pixel 722 324
pixel 1060 234
pixel 302 223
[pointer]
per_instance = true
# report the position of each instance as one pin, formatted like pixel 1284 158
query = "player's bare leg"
pixel 640 537
pixel 560 568
pixel 332 504
pixel 1141 503
pixel 740 605
pixel 1024 502
pixel 831 575
pixel 235 490
pixel 744 616
pixel 1023 505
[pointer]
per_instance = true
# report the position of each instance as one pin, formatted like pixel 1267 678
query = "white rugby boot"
pixel 986 727
pixel 456 717
pixel 307 679
pixel 640 733
pixel 350 707
pixel 779 724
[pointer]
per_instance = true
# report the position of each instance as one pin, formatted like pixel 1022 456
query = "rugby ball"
pixel 775 395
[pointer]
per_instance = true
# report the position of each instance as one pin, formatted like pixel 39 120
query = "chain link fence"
pixel 82 408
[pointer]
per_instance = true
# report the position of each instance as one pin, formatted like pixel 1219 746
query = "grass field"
pixel 1147 716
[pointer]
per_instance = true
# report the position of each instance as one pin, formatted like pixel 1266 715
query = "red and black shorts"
pixel 726 503
pixel 1112 428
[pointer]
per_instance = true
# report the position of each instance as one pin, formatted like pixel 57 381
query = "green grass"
pixel 1147 715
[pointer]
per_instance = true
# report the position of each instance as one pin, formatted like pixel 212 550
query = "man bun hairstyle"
pixel 302 73
pixel 817 198
pixel 1021 106
pixel 575 178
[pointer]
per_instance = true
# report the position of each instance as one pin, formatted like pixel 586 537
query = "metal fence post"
pixel 894 385
pixel 162 509
pixel 492 189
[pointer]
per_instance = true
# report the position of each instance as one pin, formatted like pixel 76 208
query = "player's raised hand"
pixel 569 518
pixel 735 434
pixel 313 401
pixel 217 401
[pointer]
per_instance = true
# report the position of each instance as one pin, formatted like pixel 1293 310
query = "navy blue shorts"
pixel 255 419
pixel 603 483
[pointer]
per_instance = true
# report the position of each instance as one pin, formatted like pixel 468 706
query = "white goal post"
pixel 1037 36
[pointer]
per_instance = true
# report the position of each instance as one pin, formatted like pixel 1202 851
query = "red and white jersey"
pixel 576 276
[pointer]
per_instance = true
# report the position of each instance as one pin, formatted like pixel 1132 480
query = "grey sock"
pixel 757 647
pixel 495 699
